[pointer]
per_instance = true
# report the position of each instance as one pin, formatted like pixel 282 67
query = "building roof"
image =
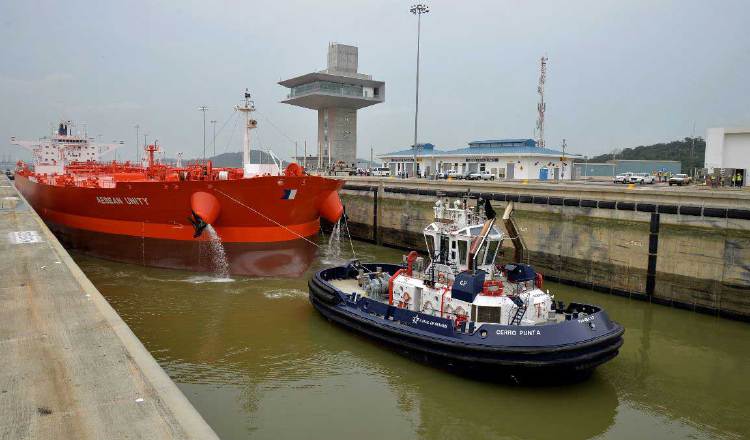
pixel 515 151
pixel 501 147
pixel 425 150
pixel 504 142
pixel 360 80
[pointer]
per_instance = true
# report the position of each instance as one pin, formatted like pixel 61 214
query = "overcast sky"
pixel 621 73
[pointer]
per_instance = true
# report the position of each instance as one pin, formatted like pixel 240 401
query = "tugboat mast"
pixel 246 108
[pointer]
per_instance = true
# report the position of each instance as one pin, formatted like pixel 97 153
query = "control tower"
pixel 336 93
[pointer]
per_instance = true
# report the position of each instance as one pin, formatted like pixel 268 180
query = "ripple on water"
pixel 285 293
pixel 200 279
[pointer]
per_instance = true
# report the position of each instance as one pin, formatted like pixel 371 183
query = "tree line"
pixel 689 151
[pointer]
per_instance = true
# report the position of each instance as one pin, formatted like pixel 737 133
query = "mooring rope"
pixel 346 223
pixel 267 218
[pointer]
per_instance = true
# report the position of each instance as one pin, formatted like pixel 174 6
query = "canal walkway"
pixel 70 368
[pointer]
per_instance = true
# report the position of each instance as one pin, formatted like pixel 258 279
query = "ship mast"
pixel 246 108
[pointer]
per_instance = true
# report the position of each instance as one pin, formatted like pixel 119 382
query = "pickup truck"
pixel 623 178
pixel 642 178
pixel 480 175
pixel 679 180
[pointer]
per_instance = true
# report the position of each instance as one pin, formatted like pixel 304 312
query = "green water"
pixel 258 362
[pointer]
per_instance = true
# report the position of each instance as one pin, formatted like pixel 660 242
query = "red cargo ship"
pixel 157 215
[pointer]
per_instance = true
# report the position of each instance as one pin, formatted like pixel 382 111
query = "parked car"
pixel 454 174
pixel 381 171
pixel 641 178
pixel 480 175
pixel 679 180
pixel 441 175
pixel 623 178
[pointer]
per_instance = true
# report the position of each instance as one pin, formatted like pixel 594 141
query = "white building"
pixel 509 159
pixel 728 149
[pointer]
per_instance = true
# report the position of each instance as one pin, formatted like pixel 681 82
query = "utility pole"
pixel 692 150
pixel 371 163
pixel 203 108
pixel 305 161
pixel 214 125
pixel 417 10
pixel 541 107
pixel 295 152
pixel 137 138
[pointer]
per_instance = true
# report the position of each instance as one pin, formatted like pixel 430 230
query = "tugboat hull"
pixel 567 350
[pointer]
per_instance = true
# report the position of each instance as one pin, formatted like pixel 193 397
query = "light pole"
pixel 586 167
pixel 417 10
pixel 203 108
pixel 214 125
pixel 137 138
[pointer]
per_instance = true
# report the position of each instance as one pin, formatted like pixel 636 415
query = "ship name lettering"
pixel 519 332
pixel 137 201
pixel 109 200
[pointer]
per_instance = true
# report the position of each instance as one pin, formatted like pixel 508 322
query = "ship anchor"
pixel 198 224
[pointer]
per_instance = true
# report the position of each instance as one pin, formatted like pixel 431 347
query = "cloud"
pixel 35 84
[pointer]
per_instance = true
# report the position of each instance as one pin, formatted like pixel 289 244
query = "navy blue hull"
pixel 568 349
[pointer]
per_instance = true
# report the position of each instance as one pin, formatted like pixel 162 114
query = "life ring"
pixel 404 300
pixel 460 319
pixel 539 281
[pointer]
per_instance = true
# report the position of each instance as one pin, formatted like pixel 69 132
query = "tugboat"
pixel 463 311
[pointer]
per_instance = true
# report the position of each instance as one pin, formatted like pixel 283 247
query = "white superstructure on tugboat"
pixel 463 251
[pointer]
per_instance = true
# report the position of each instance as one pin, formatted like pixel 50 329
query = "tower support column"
pixel 337 135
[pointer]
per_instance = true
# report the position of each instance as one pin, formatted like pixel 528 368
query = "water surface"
pixel 258 362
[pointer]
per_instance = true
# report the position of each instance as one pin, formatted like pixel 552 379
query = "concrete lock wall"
pixel 678 252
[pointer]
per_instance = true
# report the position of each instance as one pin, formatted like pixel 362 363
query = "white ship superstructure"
pixel 63 147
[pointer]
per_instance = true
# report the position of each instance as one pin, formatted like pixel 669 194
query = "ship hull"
pixel 267 225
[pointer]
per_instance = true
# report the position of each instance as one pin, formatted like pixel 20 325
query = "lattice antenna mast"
pixel 542 106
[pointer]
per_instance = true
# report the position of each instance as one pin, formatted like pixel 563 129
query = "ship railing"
pixel 456 218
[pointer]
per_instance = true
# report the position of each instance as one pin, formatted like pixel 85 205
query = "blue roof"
pixel 506 150
pixel 424 150
pixel 505 143
pixel 488 147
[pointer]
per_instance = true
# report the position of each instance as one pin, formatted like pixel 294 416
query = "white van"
pixel 381 171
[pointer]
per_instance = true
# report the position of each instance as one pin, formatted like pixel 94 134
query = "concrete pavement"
pixel 70 368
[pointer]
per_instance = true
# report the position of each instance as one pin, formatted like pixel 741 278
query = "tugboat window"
pixel 488 314
pixel 463 250
pixel 491 251
pixel 430 245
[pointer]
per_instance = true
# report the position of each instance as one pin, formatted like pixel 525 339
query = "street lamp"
pixel 137 139
pixel 417 10
pixel 214 125
pixel 203 108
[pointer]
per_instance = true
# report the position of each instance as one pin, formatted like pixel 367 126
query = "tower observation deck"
pixel 336 93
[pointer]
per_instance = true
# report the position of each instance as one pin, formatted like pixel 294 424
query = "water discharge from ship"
pixel 333 251
pixel 219 262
